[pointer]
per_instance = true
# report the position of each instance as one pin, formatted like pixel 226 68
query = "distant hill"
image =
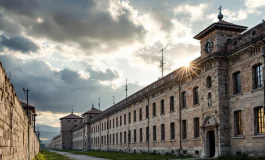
pixel 47 132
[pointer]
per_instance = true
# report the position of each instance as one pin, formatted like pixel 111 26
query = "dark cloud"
pixel 108 74
pixel 18 43
pixel 76 21
pixel 57 91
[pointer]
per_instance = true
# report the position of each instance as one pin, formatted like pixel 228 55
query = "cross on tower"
pixel 220 9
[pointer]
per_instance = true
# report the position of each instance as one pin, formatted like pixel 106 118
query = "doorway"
pixel 211 142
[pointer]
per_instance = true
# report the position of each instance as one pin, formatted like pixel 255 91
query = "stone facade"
pixel 195 110
pixel 15 142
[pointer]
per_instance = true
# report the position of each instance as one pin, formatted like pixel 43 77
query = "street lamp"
pixel 27 92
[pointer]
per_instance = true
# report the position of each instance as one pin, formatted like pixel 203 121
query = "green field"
pixel 124 156
pixel 46 155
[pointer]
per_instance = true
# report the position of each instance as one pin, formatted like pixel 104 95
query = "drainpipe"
pixel 148 144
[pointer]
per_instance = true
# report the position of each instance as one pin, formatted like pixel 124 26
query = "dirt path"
pixel 77 156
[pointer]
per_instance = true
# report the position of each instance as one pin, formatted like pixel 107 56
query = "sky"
pixel 68 53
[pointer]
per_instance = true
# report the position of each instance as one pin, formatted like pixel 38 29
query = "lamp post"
pixel 27 92
pixel 263 55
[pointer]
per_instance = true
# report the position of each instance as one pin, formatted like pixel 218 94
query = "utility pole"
pixel 162 62
pixel 126 88
pixel 113 97
pixel 99 103
pixel 27 92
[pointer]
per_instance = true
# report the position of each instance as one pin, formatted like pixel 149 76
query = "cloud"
pixel 57 91
pixel 107 75
pixel 254 5
pixel 18 43
pixel 195 12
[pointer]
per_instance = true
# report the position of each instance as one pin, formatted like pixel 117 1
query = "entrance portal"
pixel 211 142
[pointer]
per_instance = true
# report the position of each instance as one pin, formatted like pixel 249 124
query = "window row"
pixel 122 136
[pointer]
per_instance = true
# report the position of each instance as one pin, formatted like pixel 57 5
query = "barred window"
pixel 129 117
pixel 147 134
pixel 116 121
pixel 257 76
pixel 134 135
pixel 172 103
pixel 172 131
pixel 196 95
pixel 141 135
pixel 237 83
pixel 196 123
pixel 125 136
pixel 140 114
pixel 238 123
pixel 117 138
pixel 120 121
pixel 134 115
pixel 259 120
pixel 124 119
pixel 154 133
pixel 129 136
pixel 162 132
pixel 183 99
pixel 154 109
pixel 120 137
pixel 147 112
pixel 162 106
pixel 184 129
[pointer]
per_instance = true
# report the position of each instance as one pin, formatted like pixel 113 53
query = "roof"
pixel 24 105
pixel 72 116
pixel 221 24
pixel 92 111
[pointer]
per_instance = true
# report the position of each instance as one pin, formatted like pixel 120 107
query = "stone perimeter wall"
pixel 14 125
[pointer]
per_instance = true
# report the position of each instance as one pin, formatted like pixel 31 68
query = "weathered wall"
pixel 14 125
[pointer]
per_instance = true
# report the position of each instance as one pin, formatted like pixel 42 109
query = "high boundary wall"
pixel 14 125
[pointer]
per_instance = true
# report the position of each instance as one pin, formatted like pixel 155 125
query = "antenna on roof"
pixel 92 106
pixel 162 61
pixel 72 109
pixel 99 103
pixel 113 98
pixel 126 88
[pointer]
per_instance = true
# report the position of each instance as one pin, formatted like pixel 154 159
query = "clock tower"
pixel 214 38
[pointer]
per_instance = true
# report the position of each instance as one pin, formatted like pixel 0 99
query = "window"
pixel 184 129
pixel 134 135
pixel 162 132
pixel 172 103
pixel 129 117
pixel 259 120
pixel 146 112
pixel 162 109
pixel 209 99
pixel 154 133
pixel 68 120
pixel 116 121
pixel 110 138
pixel 140 114
pixel 196 123
pixel 172 131
pixel 238 123
pixel 154 109
pixel 134 115
pixel 120 137
pixel 125 136
pixel 141 135
pixel 117 138
pixel 147 134
pixel 124 119
pixel 113 123
pixel 129 137
pixel 113 138
pixel 196 95
pixel 110 124
pixel 237 83
pixel 209 82
pixel 183 99
pixel 120 121
pixel 257 76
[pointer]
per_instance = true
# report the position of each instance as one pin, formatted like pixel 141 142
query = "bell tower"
pixel 214 38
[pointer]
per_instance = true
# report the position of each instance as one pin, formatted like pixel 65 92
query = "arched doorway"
pixel 210 144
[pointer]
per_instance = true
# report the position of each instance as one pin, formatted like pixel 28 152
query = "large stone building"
pixel 211 108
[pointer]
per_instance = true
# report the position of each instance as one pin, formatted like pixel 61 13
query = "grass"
pixel 124 156
pixel 46 155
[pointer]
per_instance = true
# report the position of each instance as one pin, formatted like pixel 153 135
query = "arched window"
pixel 209 99
pixel 209 82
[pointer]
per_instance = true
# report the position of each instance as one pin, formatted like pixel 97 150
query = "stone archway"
pixel 209 134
